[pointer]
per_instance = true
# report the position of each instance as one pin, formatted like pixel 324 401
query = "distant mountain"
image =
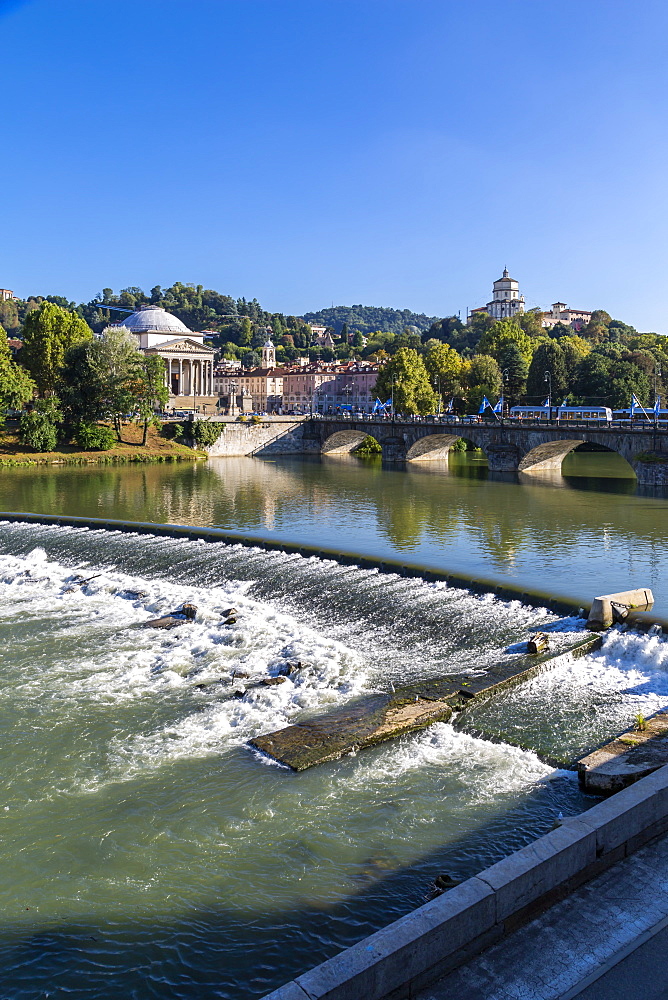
pixel 367 319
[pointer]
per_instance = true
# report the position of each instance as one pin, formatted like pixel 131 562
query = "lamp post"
pixel 548 379
pixel 438 382
pixel 505 381
pixel 233 386
pixel 657 375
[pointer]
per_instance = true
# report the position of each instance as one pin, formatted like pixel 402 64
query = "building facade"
pixel 560 313
pixel 506 302
pixel 188 361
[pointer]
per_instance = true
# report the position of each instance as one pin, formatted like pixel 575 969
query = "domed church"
pixel 188 361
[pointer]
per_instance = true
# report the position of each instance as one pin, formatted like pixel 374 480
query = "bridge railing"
pixel 637 427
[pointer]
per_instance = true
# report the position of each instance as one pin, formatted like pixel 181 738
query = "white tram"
pixel 599 414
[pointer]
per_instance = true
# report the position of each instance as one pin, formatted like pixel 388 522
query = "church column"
pixel 180 363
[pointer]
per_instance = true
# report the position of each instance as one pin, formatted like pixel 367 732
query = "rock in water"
pixel 538 643
pixel 186 613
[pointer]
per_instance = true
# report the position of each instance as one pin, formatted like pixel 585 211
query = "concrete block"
pixel 625 815
pixel 289 991
pixel 404 950
pixel 537 869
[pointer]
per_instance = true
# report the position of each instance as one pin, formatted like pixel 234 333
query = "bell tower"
pixel 268 355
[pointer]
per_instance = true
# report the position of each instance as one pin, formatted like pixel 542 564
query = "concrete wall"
pixel 273 436
pixel 444 933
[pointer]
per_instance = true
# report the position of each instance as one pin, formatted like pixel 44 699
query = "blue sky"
pixel 388 152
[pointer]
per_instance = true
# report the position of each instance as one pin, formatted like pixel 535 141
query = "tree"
pixel 592 379
pixel 82 390
pixel 445 366
pixel 549 357
pixel 38 427
pixel 531 322
pixel 149 386
pixel 16 386
pixel 358 340
pixel 48 333
pixel 500 334
pixel 628 379
pixel 245 333
pixel 114 359
pixel 515 370
pixel 406 380
pixel 482 377
pixel 9 316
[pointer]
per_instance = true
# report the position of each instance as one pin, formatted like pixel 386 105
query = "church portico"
pixel 188 361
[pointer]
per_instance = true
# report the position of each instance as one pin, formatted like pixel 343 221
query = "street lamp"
pixel 548 379
pixel 505 381
pixel 657 375
pixel 233 386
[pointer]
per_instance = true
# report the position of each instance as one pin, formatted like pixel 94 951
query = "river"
pixel 145 849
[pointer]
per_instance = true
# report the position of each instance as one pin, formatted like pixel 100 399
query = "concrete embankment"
pixel 627 758
pixel 445 933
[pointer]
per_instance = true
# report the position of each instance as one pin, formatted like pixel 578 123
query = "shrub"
pixel 205 433
pixel 38 425
pixel 369 446
pixel 255 419
pixel 241 419
pixel 93 437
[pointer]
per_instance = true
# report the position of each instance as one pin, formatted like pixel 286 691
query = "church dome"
pixel 154 319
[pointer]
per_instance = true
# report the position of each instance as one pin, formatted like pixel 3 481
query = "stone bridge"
pixel 508 446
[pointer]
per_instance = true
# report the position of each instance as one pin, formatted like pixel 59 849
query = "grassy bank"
pixel 130 449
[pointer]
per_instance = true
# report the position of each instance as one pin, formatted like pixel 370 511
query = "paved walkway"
pixel 608 940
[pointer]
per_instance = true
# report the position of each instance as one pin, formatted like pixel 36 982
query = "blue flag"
pixel 499 407
pixel 449 408
pixel 485 403
pixel 657 405
pixel 547 402
pixel 635 403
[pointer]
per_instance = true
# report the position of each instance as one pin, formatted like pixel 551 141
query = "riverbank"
pixel 130 450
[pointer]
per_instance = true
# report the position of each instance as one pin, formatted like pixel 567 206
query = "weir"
pixel 382 717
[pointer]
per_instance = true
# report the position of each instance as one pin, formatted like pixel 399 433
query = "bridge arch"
pixel 550 455
pixel 431 447
pixel 343 442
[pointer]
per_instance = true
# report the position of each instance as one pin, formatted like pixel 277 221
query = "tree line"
pixel 605 363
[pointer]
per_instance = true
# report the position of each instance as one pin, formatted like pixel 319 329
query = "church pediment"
pixel 181 346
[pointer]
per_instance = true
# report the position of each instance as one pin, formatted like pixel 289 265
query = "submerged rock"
pixel 186 613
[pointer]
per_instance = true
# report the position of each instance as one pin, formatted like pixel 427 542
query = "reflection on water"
pixel 584 532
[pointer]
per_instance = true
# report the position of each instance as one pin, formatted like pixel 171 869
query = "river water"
pixel 145 850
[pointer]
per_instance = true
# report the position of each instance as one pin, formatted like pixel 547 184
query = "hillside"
pixel 367 319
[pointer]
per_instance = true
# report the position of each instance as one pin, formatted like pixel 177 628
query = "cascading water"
pixel 146 850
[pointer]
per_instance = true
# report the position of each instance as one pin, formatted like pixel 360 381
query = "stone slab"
pixel 362 724
pixel 630 756
pixel 381 717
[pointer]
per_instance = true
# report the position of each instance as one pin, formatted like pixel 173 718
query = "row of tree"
pixel 605 364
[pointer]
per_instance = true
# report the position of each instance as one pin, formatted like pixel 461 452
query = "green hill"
pixel 367 319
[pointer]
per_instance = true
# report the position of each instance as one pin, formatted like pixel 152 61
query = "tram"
pixel 599 414
pixel 641 416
